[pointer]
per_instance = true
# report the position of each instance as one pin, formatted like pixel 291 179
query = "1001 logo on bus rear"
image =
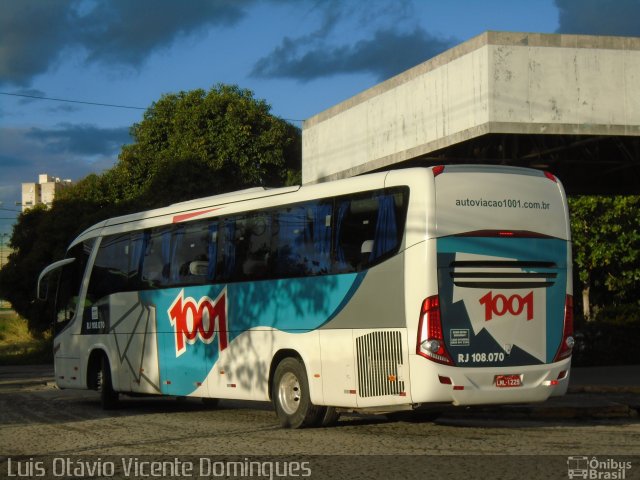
pixel 500 305
pixel 197 320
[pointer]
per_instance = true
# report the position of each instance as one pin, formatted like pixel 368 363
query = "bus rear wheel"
pixel 290 394
pixel 329 417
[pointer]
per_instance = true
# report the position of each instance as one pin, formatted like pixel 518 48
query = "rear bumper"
pixel 432 382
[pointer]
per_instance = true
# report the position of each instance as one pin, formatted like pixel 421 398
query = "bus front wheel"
pixel 108 396
pixel 290 394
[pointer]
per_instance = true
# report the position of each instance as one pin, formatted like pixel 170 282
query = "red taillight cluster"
pixel 437 170
pixel 430 335
pixel 566 346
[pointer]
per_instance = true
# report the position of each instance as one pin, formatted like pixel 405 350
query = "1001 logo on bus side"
pixel 500 305
pixel 193 320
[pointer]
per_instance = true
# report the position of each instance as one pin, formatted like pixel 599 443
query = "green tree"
pixel 606 249
pixel 223 140
pixel 188 145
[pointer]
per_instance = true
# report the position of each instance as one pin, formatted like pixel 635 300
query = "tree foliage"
pixel 606 249
pixel 188 145
pixel 223 140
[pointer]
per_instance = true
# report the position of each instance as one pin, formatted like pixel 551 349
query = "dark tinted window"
pixel 116 265
pixel 189 254
pixel 253 246
pixel 156 260
pixel 344 234
pixel 369 227
pixel 70 283
pixel 302 240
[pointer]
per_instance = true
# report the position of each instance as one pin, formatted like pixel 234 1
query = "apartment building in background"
pixel 42 192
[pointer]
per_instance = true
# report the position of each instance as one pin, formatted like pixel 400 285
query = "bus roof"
pixel 187 206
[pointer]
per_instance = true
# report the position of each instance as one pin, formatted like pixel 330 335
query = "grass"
pixel 18 346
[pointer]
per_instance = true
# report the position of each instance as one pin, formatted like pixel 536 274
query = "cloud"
pixel 80 139
pixel 32 36
pixel 36 34
pixel 126 32
pixel 599 17
pixel 387 53
pixel 66 152
pixel 376 45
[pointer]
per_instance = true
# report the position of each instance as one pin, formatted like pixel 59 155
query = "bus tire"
pixel 210 402
pixel 108 396
pixel 291 398
pixel 330 417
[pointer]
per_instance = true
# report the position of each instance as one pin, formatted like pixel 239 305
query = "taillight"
pixel 437 170
pixel 430 335
pixel 551 176
pixel 566 346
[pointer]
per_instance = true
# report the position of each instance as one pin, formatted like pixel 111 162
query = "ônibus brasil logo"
pixel 193 320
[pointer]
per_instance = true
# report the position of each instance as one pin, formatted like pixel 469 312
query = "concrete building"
pixel 42 192
pixel 5 251
pixel 565 103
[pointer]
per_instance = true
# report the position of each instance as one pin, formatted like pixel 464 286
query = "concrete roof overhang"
pixel 569 104
pixel 586 164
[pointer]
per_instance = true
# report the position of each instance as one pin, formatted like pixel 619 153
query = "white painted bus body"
pixel 356 333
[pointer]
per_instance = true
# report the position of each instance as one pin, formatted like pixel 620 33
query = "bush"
pixel 612 339
pixel 18 346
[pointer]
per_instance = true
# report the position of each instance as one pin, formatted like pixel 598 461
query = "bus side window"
pixel 355 231
pixel 253 246
pixel 155 263
pixel 137 247
pixel 190 254
pixel 385 238
pixel 226 262
pixel 289 242
pixel 368 229
pixel 116 266
pixel 302 240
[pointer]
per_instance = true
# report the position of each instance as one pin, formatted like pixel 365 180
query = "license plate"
pixel 508 381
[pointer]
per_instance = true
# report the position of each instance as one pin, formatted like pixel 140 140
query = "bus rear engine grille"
pixel 379 355
pixel 503 274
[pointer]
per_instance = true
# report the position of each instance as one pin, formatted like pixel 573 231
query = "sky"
pixel 111 59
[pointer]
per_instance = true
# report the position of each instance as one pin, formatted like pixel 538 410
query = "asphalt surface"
pixel 594 392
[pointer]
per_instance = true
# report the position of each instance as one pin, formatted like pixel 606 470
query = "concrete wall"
pixel 30 195
pixel 494 83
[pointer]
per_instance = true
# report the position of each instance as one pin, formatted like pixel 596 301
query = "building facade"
pixel 42 192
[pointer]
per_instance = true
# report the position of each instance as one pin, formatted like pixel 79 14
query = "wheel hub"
pixel 289 393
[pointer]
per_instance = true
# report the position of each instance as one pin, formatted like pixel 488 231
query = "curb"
pixel 604 389
pixel 24 382
pixel 613 410
pixel 595 403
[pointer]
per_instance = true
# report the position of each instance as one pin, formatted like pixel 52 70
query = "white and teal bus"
pixel 382 292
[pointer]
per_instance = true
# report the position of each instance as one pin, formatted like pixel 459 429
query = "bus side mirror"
pixel 42 292
pixel 43 280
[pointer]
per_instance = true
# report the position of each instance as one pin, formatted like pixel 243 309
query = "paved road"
pixel 38 420
pixel 622 376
